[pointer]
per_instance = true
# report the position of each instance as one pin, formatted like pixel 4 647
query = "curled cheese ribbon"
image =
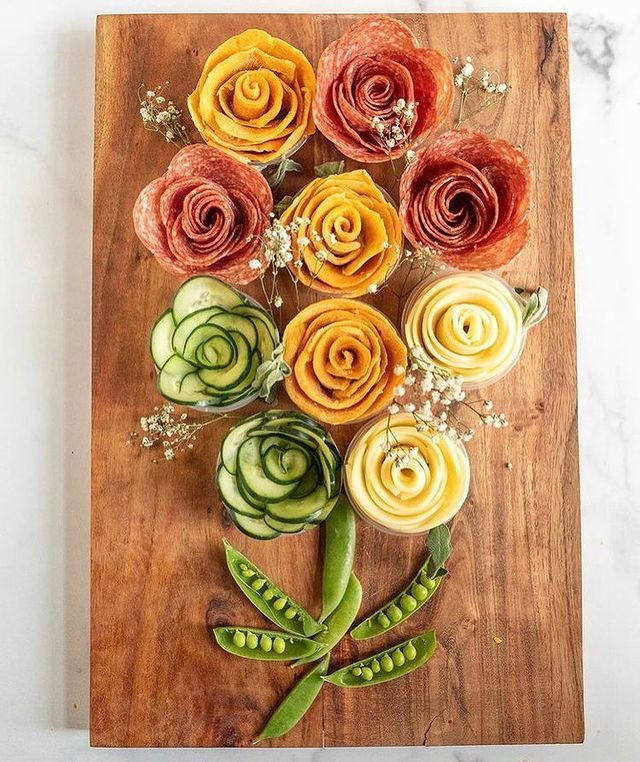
pixel 348 236
pixel 346 358
pixel 253 98
pixel 469 324
pixel 405 480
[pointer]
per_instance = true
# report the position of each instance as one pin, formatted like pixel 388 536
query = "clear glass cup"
pixel 421 287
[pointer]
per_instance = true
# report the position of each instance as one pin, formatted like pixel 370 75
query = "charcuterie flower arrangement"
pixel 339 246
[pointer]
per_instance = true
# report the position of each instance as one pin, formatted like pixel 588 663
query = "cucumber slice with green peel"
pixel 161 339
pixel 320 517
pixel 185 327
pixel 329 460
pixel 231 497
pixel 217 352
pixel 252 527
pixel 203 291
pixel 284 465
pixel 200 338
pixel 299 509
pixel 171 378
pixel 229 378
pixel 231 322
pixel 267 332
pixel 254 479
pixel 308 482
pixel 284 527
pixel 248 310
pixel 233 440
pixel 246 493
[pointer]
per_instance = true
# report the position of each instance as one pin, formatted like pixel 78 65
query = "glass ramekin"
pixel 260 165
pixel 206 407
pixel 356 503
pixel 441 274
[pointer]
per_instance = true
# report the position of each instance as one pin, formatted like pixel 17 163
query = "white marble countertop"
pixel 46 97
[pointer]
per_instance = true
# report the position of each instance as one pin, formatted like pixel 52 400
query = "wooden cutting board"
pixel 508 618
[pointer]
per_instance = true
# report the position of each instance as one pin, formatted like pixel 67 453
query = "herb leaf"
pixel 329 168
pixel 276 175
pixel 282 205
pixel 439 545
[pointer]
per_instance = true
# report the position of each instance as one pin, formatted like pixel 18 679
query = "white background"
pixel 46 102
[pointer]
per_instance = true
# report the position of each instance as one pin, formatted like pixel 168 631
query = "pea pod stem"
pixel 394 662
pixel 296 703
pixel 338 622
pixel 403 605
pixel 267 597
pixel 339 550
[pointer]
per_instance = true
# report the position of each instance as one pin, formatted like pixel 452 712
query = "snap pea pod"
pixel 338 622
pixel 339 549
pixel 394 662
pixel 296 703
pixel 267 597
pixel 265 645
pixel 421 589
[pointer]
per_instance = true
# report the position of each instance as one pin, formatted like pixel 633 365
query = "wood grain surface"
pixel 508 617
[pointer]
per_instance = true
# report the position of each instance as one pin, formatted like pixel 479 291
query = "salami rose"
pixel 468 196
pixel 378 91
pixel 206 214
pixel 253 98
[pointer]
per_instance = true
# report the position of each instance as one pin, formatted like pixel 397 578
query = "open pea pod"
pixel 420 590
pixel 267 597
pixel 397 661
pixel 264 645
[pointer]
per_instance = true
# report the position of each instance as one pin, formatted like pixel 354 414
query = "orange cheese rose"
pixel 346 358
pixel 253 98
pixel 348 236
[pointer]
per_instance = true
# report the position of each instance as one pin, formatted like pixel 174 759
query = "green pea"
pixel 424 578
pixel 239 639
pixel 243 567
pixel 375 666
pixel 279 604
pixel 259 583
pixel 383 619
pixel 290 613
pixel 398 657
pixel 410 652
pixel 386 663
pixel 248 573
pixel 430 584
pixel 266 644
pixel 367 673
pixel 419 592
pixel 394 613
pixel 252 640
pixel 269 594
pixel 279 645
pixel 407 602
pixel 356 671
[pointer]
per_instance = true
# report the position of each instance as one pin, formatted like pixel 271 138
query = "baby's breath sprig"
pixel 176 434
pixel 433 396
pixel 395 132
pixel 163 116
pixel 483 89
pixel 416 265
pixel 278 253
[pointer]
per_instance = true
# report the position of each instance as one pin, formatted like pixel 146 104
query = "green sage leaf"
pixel 275 175
pixel 282 205
pixel 439 545
pixel 271 372
pixel 329 168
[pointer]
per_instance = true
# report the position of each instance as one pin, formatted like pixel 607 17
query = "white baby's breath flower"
pixel 393 408
pixel 399 391
pixel 277 302
pixel 255 264
pixel 398 370
pixel 372 288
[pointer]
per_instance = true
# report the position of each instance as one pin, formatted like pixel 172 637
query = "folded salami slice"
pixel 378 91
pixel 468 197
pixel 206 214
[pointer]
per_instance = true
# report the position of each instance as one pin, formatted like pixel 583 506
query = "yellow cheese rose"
pixel 253 98
pixel 405 480
pixel 348 236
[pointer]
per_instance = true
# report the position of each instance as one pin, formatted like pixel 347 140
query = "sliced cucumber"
pixel 217 352
pixel 170 382
pixel 237 323
pixel 200 338
pixel 249 466
pixel 281 462
pixel 299 509
pixel 308 482
pixel 256 528
pixel 267 332
pixel 161 335
pixel 229 378
pixel 233 440
pixel 186 327
pixel 283 526
pixel 203 291
pixel 231 497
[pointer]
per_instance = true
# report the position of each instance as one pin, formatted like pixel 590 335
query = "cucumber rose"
pixel 279 472
pixel 209 344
